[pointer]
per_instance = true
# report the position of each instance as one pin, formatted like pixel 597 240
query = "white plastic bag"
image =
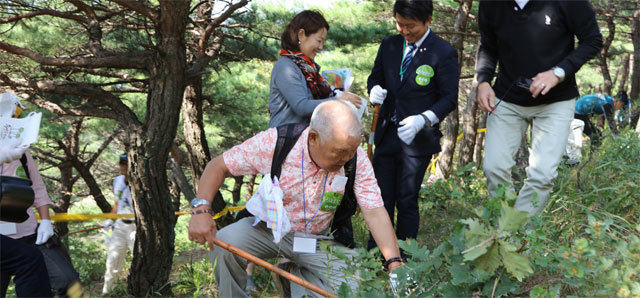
pixel 266 205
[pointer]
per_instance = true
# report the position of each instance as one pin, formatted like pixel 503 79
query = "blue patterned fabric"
pixel 592 104
pixel 407 59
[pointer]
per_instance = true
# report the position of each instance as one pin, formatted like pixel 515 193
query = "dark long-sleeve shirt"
pixel 525 42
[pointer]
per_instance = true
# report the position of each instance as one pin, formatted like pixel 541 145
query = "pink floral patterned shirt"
pixel 254 157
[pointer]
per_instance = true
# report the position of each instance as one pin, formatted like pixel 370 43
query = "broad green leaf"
pixel 461 273
pixel 414 249
pixel 515 263
pixel 344 290
pixel 476 234
pixel 511 219
pixel 489 261
pixel 538 292
pixel 455 291
pixel 475 253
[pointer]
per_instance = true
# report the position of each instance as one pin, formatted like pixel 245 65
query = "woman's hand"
pixel 352 98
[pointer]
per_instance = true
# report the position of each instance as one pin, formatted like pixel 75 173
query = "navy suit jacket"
pixel 430 83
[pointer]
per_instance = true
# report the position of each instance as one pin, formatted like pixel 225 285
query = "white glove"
pixel 409 127
pixel 107 224
pixel 12 150
pixel 45 231
pixel 377 95
pixel 393 281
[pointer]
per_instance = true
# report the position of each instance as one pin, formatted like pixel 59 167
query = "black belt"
pixel 128 221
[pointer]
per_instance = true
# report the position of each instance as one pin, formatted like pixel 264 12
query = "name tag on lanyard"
pixel 304 245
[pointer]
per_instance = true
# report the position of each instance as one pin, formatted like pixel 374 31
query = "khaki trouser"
pixel 506 127
pixel 118 244
pixel 320 268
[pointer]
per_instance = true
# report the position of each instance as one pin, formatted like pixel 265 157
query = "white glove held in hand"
pixel 409 127
pixel 45 231
pixel 11 150
pixel 377 95
pixel 107 224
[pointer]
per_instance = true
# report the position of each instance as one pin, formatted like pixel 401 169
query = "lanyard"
pixel 304 203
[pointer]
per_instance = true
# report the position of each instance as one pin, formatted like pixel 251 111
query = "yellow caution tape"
pixel 85 217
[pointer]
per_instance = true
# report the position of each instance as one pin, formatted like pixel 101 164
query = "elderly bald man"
pixel 308 172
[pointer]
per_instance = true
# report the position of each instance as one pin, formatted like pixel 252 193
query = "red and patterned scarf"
pixel 311 71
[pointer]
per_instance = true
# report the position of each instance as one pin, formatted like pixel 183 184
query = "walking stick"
pixel 271 267
pixel 85 230
pixel 374 122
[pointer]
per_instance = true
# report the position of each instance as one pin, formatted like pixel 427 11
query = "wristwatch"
pixel 427 122
pixel 197 202
pixel 558 72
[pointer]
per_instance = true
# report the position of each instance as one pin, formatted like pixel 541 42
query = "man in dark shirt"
pixel 533 44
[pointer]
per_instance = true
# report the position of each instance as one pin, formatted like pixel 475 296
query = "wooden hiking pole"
pixel 374 122
pixel 272 268
pixel 85 230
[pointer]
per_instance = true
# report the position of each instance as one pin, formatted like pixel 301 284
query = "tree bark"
pixel 250 184
pixel 477 155
pixel 602 56
pixel 469 123
pixel 625 73
pixel 149 147
pixel 177 175
pixel 451 123
pixel 237 189
pixel 193 129
pixel 635 38
pixel 63 200
pixel 518 173
pixel 174 192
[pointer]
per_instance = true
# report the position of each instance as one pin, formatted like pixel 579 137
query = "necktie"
pixel 407 59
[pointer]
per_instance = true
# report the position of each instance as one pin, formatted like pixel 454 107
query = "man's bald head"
pixel 336 118
pixel 334 134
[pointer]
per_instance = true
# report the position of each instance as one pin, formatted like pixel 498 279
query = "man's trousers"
pixel 321 268
pixel 121 241
pixel 506 126
pixel 399 177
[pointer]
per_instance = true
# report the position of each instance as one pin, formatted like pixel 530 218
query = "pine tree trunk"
pixel 237 189
pixel 602 56
pixel 148 151
pixel 469 123
pixel 625 73
pixel 63 200
pixel 518 173
pixel 193 129
pixel 482 123
pixel 451 123
pixel 250 185
pixel 635 76
pixel 196 143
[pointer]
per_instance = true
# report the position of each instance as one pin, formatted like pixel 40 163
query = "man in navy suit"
pixel 415 79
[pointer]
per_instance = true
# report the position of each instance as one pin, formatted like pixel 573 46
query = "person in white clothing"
pixel 123 230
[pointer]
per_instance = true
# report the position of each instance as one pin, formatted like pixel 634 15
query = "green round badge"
pixel 424 73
